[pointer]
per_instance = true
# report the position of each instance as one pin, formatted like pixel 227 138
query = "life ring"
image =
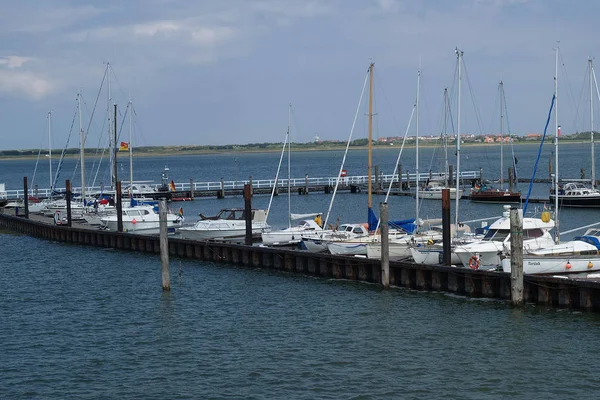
pixel 474 262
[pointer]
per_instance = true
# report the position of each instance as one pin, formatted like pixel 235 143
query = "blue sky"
pixel 223 72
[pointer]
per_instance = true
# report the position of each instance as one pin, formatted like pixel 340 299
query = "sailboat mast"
pixel 114 149
pixel 445 138
pixel 370 143
pixel 81 150
pixel 557 133
pixel 50 148
pixel 113 179
pixel 501 135
pixel 417 151
pixel 592 122
pixel 130 105
pixel 459 54
pixel 289 166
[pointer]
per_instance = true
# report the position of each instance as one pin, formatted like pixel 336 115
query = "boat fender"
pixel 474 262
pixel 568 266
pixel 590 265
pixel 545 216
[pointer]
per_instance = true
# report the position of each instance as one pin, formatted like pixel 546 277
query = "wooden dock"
pixel 547 291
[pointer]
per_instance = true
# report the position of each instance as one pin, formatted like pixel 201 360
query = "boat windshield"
pixel 497 235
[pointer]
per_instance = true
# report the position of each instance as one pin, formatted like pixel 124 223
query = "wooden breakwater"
pixel 548 291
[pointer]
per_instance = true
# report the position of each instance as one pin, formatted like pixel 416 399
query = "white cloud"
pixel 14 61
pixel 24 84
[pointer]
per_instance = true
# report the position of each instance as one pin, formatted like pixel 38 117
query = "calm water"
pixel 81 322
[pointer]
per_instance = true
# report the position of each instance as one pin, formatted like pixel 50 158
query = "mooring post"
pixel 221 192
pixel 306 184
pixel 385 245
pixel 119 204
pixel 450 175
pixel 377 177
pixel 68 195
pixel 191 189
pixel 164 244
pixel 400 176
pixel 250 182
pixel 446 231
pixel 248 213
pixel 25 197
pixel 516 256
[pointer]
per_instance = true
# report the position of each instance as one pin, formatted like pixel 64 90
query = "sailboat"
pixel 433 188
pixel 578 194
pixel 308 223
pixel 481 192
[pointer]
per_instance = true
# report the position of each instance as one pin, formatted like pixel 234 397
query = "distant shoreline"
pixel 160 151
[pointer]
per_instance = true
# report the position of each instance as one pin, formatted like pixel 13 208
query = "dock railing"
pixel 16 194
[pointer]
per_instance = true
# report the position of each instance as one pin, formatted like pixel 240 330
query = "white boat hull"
pixel 437 194
pixel 556 265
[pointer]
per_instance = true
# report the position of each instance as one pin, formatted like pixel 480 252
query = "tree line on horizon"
pixel 324 144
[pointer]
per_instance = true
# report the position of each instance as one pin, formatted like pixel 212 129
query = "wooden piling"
pixel 248 213
pixel 306 184
pixel 25 197
pixel 221 192
pixel 164 244
pixel 119 204
pixel 446 231
pixel 68 195
pixel 191 189
pixel 385 245
pixel 516 256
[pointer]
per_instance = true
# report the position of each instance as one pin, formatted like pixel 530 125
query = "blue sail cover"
pixel 406 224
pixel 372 220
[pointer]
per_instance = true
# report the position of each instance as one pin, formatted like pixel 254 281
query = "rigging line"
pixel 566 77
pixel 509 131
pixel 477 113
pixel 387 194
pixel 32 184
pixel 380 89
pixel 539 154
pixel 64 150
pixel 338 178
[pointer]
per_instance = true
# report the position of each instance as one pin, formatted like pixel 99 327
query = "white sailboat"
pixel 308 223
pixel 578 194
pixel 433 188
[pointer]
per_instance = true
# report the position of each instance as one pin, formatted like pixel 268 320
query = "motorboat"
pixel 580 255
pixel 576 194
pixel 317 242
pixel 486 253
pixel 229 223
pixel 291 235
pixel 142 220
pixel 433 191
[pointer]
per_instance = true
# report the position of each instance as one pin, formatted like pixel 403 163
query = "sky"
pixel 214 72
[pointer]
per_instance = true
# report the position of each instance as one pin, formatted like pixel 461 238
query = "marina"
pixel 548 291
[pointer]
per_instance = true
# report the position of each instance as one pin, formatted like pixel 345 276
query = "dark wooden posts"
pixel 516 256
pixel 119 205
pixel 164 244
pixel 385 245
pixel 248 213
pixel 446 231
pixel 68 195
pixel 25 197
